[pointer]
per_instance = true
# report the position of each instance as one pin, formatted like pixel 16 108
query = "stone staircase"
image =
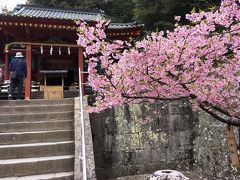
pixel 37 139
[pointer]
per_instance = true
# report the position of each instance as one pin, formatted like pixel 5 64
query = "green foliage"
pixel 154 14
pixel 159 14
pixel 205 4
pixel 70 4
pixel 119 10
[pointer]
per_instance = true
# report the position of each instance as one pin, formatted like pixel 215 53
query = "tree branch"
pixel 231 121
pixel 155 98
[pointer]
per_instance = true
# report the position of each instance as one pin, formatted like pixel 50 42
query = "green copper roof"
pixel 52 13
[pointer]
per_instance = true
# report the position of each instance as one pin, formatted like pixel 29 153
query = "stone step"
pixel 36 137
pixel 35 102
pixel 5 110
pixel 54 176
pixel 36 126
pixel 36 150
pixel 66 115
pixel 32 166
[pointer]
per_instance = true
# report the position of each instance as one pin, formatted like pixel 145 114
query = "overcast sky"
pixel 11 3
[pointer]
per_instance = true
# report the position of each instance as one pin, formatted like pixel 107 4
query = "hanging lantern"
pixel 51 50
pixel 69 52
pixel 59 51
pixel 41 49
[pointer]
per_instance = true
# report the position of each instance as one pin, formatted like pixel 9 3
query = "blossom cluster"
pixel 199 61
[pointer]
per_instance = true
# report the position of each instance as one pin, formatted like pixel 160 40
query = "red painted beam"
pixel 29 69
pixel 80 66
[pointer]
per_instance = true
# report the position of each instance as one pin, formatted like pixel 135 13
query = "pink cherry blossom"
pixel 199 61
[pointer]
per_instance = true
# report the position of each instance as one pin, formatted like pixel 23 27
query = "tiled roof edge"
pixel 19 6
pixel 124 25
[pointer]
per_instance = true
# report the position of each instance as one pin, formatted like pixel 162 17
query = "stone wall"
pixel 141 139
pixel 211 152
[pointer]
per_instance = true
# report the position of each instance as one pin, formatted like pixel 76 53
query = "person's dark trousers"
pixel 16 83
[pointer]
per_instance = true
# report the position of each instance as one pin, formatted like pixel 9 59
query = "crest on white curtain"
pixel 51 50
pixel 59 51
pixel 41 49
pixel 69 52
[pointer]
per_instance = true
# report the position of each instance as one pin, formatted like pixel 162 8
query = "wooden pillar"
pixel 29 70
pixel 6 66
pixel 80 67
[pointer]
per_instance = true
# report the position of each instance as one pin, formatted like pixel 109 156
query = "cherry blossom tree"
pixel 199 61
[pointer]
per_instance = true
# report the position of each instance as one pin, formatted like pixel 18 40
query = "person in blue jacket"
pixel 17 64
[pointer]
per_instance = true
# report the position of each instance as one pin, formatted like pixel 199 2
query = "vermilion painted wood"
pixel 80 65
pixel 29 65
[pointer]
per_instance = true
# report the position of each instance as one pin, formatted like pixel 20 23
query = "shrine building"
pixel 47 37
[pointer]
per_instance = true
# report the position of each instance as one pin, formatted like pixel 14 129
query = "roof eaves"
pixel 20 6
pixel 125 25
pixel 51 13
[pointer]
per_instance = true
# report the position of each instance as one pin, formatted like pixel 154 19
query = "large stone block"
pixel 102 161
pixel 162 107
pixel 127 170
pixel 160 123
pixel 135 110
pixel 103 114
pixel 125 126
pixel 146 140
pixel 110 143
pixel 143 110
pixel 97 126
pixel 177 154
pixel 180 138
pixel 122 111
pixel 141 157
pixel 102 173
pixel 160 139
pixel 122 158
pixel 111 126
pixel 179 107
pixel 143 124
pixel 98 143
pixel 136 169
pixel 158 155
pixel 127 142
pixel 180 122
